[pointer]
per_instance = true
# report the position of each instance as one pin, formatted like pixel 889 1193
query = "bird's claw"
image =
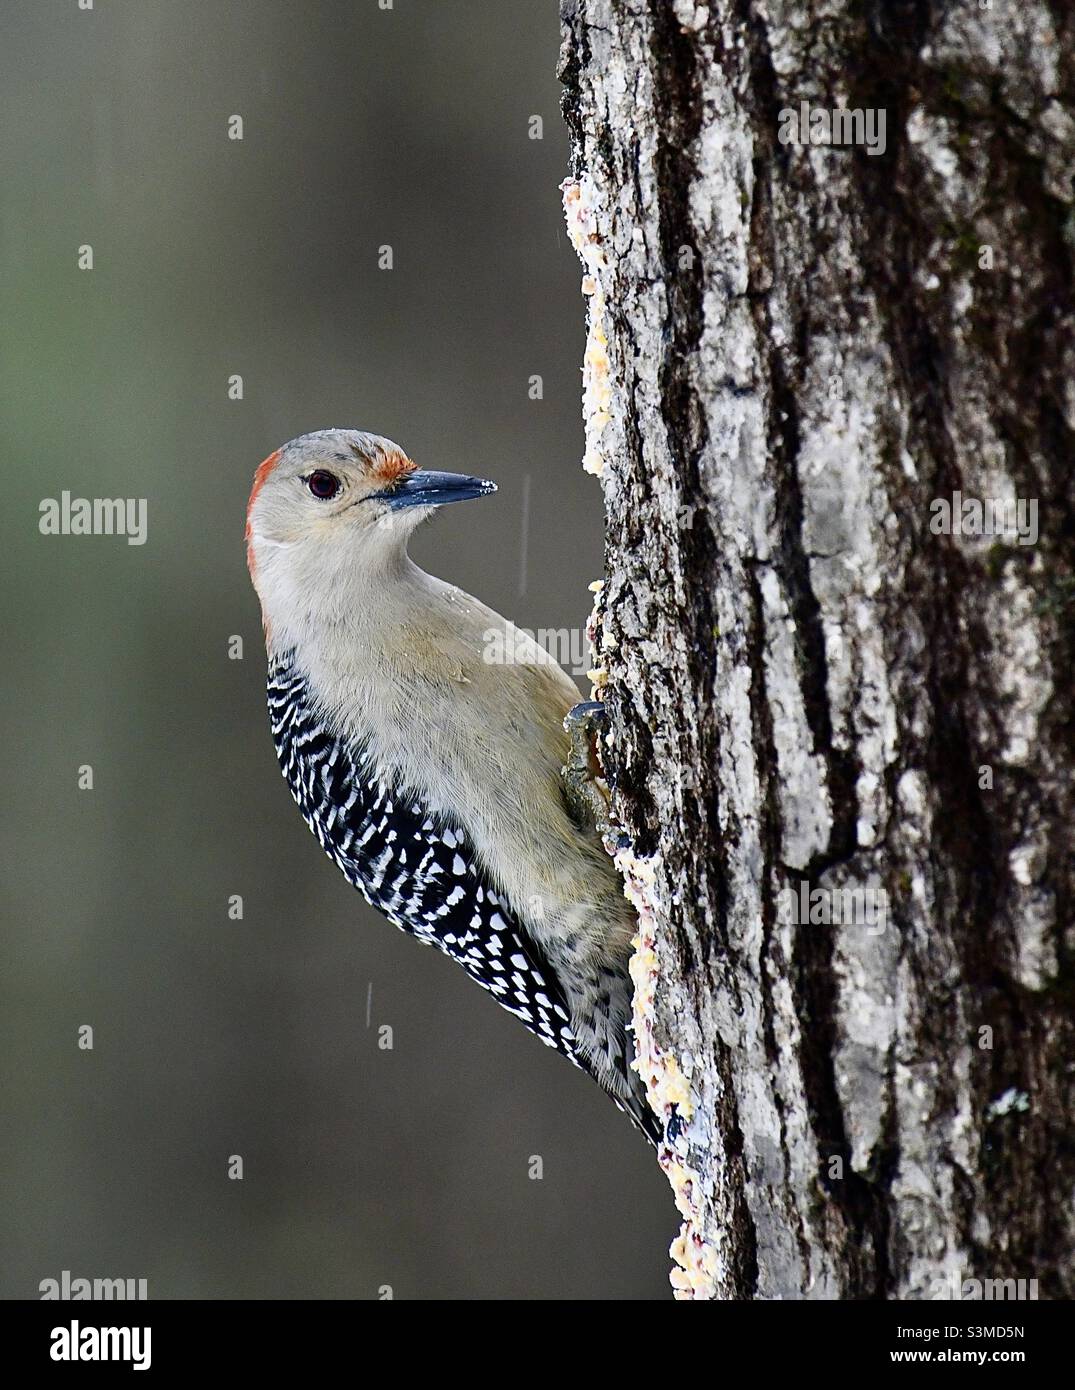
pixel 584 787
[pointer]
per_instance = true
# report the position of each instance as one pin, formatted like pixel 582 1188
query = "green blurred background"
pixel 363 1168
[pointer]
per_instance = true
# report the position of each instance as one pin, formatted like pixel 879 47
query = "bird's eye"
pixel 323 485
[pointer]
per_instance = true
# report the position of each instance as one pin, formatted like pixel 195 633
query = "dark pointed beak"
pixel 427 488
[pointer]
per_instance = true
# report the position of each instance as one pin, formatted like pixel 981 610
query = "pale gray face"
pixel 321 484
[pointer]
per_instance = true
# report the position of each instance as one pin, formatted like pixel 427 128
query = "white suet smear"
pixel 581 218
pixel 667 1085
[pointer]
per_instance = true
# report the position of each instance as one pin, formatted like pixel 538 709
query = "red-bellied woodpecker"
pixel 423 737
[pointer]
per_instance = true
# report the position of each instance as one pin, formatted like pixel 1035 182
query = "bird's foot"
pixel 584 787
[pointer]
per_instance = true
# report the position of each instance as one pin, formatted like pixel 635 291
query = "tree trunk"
pixel 824 677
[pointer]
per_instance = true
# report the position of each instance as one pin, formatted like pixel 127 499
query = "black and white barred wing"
pixel 421 873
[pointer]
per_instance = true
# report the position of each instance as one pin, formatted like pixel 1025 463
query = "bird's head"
pixel 334 503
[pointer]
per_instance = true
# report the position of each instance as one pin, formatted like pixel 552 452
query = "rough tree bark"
pixel 794 351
